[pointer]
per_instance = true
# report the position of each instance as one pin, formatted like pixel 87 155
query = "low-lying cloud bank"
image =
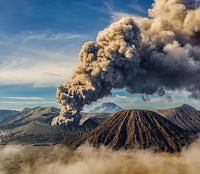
pixel 88 160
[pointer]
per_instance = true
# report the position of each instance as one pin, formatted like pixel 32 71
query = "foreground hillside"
pixel 131 128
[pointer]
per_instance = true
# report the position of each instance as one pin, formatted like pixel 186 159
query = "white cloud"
pixel 40 73
pixel 160 99
pixel 121 97
pixel 115 16
pixel 25 98
pixel 52 37
pixel 42 59
pixel 138 8
pixel 118 90
pixel 11 109
pixel 30 102
pixel 118 98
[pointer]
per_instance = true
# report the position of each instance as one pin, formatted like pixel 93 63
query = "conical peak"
pixel 129 128
pixel 186 106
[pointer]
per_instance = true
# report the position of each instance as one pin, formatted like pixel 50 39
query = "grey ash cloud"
pixel 145 56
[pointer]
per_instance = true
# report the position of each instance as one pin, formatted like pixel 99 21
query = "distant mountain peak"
pixel 107 107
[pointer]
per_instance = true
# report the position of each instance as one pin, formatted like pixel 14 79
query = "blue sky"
pixel 40 42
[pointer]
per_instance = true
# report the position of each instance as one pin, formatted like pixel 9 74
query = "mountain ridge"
pixel 185 116
pixel 33 125
pixel 31 114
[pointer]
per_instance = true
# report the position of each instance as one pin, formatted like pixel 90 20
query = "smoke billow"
pixel 143 55
pixel 109 63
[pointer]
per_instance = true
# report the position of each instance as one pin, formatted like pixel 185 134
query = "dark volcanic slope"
pixel 186 117
pixel 129 128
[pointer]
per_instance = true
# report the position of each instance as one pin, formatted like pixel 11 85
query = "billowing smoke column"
pixel 109 63
pixel 143 55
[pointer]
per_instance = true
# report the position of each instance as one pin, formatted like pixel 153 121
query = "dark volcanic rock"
pixel 91 122
pixel 186 117
pixel 132 128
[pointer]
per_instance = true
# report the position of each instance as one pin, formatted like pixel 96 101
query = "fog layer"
pixel 88 160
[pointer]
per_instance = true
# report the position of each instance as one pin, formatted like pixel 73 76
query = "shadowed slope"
pixel 186 117
pixel 131 128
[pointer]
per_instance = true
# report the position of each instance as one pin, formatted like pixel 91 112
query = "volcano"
pixel 136 128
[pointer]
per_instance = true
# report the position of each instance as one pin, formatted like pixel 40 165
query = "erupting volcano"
pixel 136 128
pixel 147 56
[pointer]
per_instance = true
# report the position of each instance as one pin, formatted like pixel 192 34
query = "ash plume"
pixel 109 63
pixel 143 55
